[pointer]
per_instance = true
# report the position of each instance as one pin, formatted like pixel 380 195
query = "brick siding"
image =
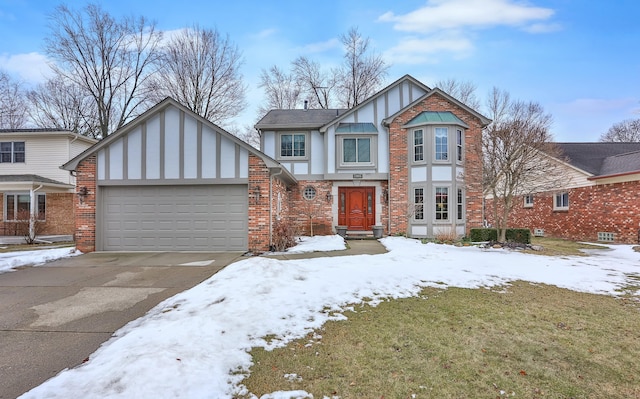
pixel 613 208
pixel 85 219
pixel 58 220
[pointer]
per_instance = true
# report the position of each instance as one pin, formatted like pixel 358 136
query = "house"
pixel 405 160
pixel 32 182
pixel 599 201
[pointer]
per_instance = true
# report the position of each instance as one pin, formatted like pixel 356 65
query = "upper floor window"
pixel 356 150
pixel 12 151
pixel 459 148
pixel 18 206
pixel 293 145
pixel 418 145
pixel 561 201
pixel 442 144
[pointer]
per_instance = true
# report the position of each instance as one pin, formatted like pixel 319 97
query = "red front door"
pixel 356 207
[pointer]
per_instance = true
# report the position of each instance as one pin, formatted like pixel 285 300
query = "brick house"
pixel 31 181
pixel 600 200
pixel 405 160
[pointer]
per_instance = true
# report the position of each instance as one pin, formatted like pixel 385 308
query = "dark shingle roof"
pixel 298 118
pixel 28 178
pixel 602 158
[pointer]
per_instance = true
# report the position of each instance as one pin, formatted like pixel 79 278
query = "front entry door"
pixel 356 207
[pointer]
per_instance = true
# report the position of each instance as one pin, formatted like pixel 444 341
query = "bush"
pixel 513 235
pixel 284 236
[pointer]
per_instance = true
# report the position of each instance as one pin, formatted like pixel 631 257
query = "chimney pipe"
pixel 306 104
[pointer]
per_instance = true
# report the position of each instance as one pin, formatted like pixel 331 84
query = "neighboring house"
pixel 600 200
pixel 31 181
pixel 407 160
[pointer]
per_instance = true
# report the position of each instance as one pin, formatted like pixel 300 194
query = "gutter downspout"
pixel 33 204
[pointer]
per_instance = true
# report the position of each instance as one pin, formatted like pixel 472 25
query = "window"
pixel 418 145
pixel 606 236
pixel 356 150
pixel 418 201
pixel 459 152
pixel 12 152
pixel 442 203
pixel 441 146
pixel 460 203
pixel 17 204
pixel 561 201
pixel 528 201
pixel 293 145
pixel 309 193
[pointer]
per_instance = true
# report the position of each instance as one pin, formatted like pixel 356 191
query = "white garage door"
pixel 174 218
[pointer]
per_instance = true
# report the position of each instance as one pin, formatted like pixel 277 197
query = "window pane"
pixel 460 203
pixel 418 142
pixel 349 150
pixel 442 147
pixel 459 145
pixel 9 207
pixel 41 207
pixel 442 203
pixel 286 146
pixel 418 199
pixel 5 152
pixel 364 150
pixel 24 205
pixel 298 145
pixel 18 151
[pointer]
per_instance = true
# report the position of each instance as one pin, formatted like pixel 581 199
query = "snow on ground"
pixel 11 260
pixel 194 345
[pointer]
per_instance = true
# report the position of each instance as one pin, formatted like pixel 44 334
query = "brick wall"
pixel 317 211
pixel 259 229
pixel 613 208
pixel 59 216
pixel 399 157
pixel 85 220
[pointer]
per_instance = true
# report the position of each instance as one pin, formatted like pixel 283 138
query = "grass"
pixel 30 247
pixel 524 341
pixel 560 247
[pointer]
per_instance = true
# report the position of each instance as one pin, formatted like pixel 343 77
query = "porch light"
pixel 385 195
pixel 256 195
pixel 82 193
pixel 329 196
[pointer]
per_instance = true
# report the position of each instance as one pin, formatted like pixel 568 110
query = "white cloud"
pixel 321 47
pixel 32 68
pixel 414 50
pixel 454 14
pixel 590 106
pixel 263 34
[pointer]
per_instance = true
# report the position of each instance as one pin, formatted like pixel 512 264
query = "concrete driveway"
pixel 53 317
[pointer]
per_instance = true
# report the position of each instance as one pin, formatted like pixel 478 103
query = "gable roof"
pixel 269 162
pixel 603 158
pixel 297 118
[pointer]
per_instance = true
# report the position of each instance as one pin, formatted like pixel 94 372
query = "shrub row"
pixel 513 235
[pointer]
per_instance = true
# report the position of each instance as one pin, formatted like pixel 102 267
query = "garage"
pixel 174 218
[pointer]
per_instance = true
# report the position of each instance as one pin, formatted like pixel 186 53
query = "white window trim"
pixel 555 201
pixel 279 145
pixel 528 204
pixel 373 148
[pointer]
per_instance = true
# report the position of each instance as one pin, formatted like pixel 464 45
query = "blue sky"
pixel 580 60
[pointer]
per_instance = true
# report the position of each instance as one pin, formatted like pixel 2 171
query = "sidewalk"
pixel 354 247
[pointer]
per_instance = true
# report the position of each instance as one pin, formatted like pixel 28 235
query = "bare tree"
pixel 109 59
pixel 626 131
pixel 463 91
pixel 362 73
pixel 13 105
pixel 282 90
pixel 519 155
pixel 319 86
pixel 201 70
pixel 63 105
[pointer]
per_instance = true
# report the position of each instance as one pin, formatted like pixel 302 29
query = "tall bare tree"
pixel 463 91
pixel 13 105
pixel 362 72
pixel 109 59
pixel 63 105
pixel 626 131
pixel 519 155
pixel 282 90
pixel 319 86
pixel 201 69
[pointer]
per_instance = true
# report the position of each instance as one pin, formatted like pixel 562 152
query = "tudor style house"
pixel 406 160
pixel 31 181
pixel 599 200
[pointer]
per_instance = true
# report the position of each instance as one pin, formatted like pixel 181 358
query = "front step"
pixel 359 235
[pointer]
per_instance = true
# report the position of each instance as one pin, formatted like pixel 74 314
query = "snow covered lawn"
pixel 195 344
pixel 36 257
